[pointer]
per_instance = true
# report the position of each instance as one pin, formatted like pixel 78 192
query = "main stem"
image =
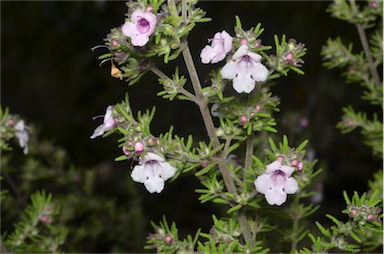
pixel 367 51
pixel 203 106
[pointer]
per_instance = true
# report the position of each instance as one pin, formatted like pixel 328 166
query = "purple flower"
pixel 153 171
pixel 276 183
pixel 142 25
pixel 245 69
pixel 221 45
pixel 21 134
pixel 108 124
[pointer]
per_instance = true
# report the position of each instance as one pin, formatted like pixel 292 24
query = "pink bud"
pixel 203 165
pixel 294 163
pixel 115 43
pixel 168 239
pixel 300 166
pixel 139 147
pixel 149 9
pixel 289 57
pixel 45 219
pixel 244 42
pixel 374 4
pixel 349 122
pixel 243 120
pixel 280 159
pixel 10 122
pixel 352 213
pixel 152 141
pixel 129 143
pixel 370 217
pixel 258 107
pixel 126 151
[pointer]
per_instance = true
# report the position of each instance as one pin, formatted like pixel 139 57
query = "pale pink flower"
pixel 153 171
pixel 22 135
pixel 245 69
pixel 108 124
pixel 220 46
pixel 276 183
pixel 142 25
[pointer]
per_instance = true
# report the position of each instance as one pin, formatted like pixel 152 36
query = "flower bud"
pixel 280 159
pixel 294 163
pixel 352 213
pixel 115 43
pixel 127 152
pixel 168 239
pixel 243 120
pixel 244 42
pixel 300 166
pixel 139 147
pixel 370 217
pixel 258 107
pixel 152 141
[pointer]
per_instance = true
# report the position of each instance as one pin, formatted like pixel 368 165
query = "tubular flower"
pixel 153 171
pixel 220 46
pixel 142 25
pixel 108 124
pixel 245 69
pixel 276 183
pixel 22 135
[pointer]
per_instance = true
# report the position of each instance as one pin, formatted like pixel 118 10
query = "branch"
pixel 207 118
pixel 367 51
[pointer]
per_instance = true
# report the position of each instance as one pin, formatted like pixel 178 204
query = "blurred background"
pixel 50 77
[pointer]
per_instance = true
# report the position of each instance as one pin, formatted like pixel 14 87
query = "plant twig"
pixel 367 51
pixel 203 106
pixel 161 74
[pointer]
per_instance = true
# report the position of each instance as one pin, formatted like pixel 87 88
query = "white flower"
pixel 22 135
pixel 108 124
pixel 142 25
pixel 245 69
pixel 276 183
pixel 153 171
pixel 221 45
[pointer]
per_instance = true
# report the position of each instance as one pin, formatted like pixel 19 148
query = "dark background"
pixel 50 77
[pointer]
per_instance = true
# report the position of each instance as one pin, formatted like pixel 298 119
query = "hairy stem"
pixel 203 106
pixel 367 51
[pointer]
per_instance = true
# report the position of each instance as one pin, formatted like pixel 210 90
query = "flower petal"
pixel 129 29
pixel 291 186
pixel 99 131
pixel 259 72
pixel 227 41
pixel 288 170
pixel 273 166
pixel 138 174
pixel 137 15
pixel 167 171
pixel 276 196
pixel 263 183
pixel 151 157
pixel 151 18
pixel 243 50
pixel 243 83
pixel 229 71
pixel 154 184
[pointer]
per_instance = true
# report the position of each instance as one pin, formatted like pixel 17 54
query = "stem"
pixel 367 51
pixel 203 106
pixel 161 74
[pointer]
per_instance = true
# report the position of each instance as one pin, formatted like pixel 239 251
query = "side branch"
pixel 367 51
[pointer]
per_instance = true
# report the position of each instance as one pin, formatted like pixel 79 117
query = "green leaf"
pixel 235 208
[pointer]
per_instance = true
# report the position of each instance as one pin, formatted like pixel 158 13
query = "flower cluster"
pixel 152 169
pixel 244 67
